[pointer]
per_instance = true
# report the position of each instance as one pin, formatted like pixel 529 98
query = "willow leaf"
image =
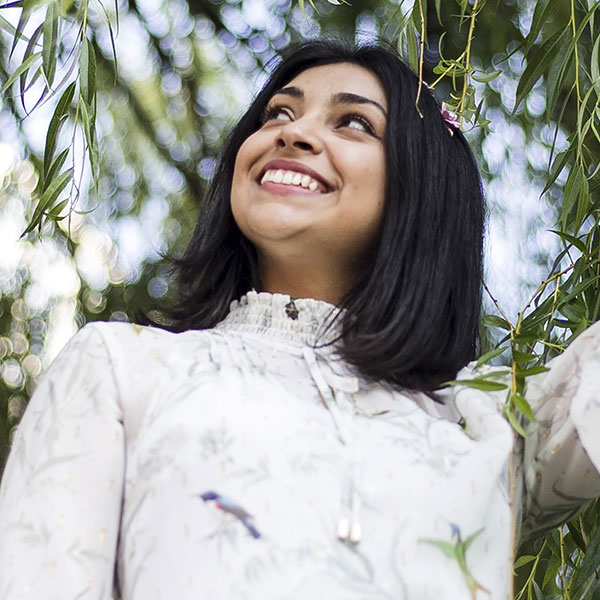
pixel 55 168
pixel 49 198
pixel 571 239
pixel 10 28
pixel 56 123
pixel 538 65
pixel 555 77
pixel 495 321
pixel 89 128
pixel 50 40
pixel 540 16
pixel 87 72
pixel 484 358
pixel 572 188
pixel 22 68
pixel 54 214
pixel 519 401
pixel 411 42
pixel 523 560
pixel 419 11
pixel 595 65
pixel 560 162
pixel 28 52
pixel 483 77
pixel 514 421
pixel 479 383
pixel 583 203
pixel 23 19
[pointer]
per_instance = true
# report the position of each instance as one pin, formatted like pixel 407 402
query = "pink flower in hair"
pixel 451 119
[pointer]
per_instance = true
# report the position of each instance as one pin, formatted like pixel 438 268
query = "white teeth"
pixel 305 181
pixel 290 178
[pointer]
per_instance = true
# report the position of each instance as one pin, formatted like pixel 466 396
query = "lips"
pixel 288 165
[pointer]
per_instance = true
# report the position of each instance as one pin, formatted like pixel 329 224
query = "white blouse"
pixel 244 462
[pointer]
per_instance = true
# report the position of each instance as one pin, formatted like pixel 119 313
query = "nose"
pixel 300 134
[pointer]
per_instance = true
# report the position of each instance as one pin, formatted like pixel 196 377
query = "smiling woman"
pixel 325 129
pixel 288 434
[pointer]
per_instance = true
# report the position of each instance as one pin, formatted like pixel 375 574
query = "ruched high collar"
pixel 302 321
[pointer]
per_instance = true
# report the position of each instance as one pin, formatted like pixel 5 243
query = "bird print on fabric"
pixel 233 508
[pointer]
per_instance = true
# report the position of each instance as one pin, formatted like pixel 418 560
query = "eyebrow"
pixel 339 98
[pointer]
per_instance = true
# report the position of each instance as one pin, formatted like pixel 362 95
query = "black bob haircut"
pixel 413 318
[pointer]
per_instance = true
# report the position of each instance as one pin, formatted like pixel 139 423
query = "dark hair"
pixel 413 319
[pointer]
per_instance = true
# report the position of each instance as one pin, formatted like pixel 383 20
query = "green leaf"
pixel 23 19
pixel 58 118
pixel 50 38
pixel 438 6
pixel 87 72
pixel 48 198
pixel 537 65
pixel 10 28
pixel 583 202
pixel 411 41
pixel 556 75
pixel 572 240
pixel 572 189
pixel 523 356
pixel 28 52
pixel 483 77
pixel 495 321
pixel 522 404
pixel 20 69
pixel 55 168
pixel 532 371
pixel 585 578
pixel 54 214
pixel 573 526
pixel 418 6
pixel 479 383
pixel 540 16
pixel 595 65
pixel 88 120
pixel 512 419
pixel 489 355
pixel 523 560
pixel 558 165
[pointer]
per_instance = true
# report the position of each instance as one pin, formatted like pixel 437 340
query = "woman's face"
pixel 310 182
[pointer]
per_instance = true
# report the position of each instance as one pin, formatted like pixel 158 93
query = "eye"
pixel 357 122
pixel 276 113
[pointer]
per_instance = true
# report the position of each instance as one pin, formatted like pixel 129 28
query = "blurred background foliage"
pixel 112 117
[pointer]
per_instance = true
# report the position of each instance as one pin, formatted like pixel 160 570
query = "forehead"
pixel 328 80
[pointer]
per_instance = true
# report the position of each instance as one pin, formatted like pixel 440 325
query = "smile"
pixel 291 178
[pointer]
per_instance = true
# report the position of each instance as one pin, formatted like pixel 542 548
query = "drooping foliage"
pixel 111 117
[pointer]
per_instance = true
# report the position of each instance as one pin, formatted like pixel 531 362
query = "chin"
pixel 273 222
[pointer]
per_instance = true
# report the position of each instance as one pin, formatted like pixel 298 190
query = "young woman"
pixel 289 442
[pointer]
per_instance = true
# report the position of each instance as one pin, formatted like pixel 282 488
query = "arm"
pixel 60 498
pixel 562 451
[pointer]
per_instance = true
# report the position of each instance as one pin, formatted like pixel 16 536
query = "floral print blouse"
pixel 249 461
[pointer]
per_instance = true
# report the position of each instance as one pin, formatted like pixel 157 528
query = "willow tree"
pixel 117 113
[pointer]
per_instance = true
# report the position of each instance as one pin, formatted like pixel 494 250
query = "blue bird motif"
pixel 233 508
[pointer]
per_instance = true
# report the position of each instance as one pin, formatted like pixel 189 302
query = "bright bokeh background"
pixel 186 72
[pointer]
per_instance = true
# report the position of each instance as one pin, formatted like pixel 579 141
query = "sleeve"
pixel 61 493
pixel 562 449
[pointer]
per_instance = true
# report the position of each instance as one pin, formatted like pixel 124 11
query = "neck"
pixel 303 281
